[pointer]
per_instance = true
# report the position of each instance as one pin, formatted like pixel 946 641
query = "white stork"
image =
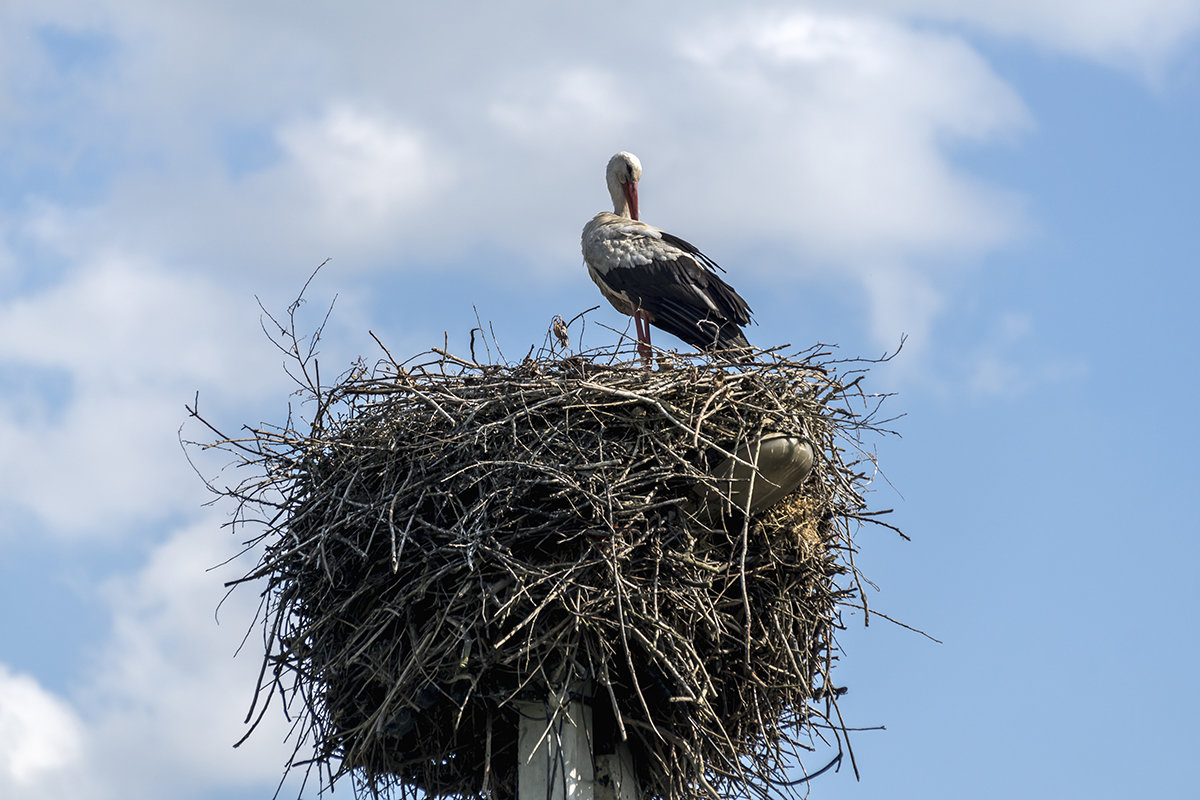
pixel 655 277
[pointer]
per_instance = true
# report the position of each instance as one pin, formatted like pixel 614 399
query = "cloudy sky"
pixel 1011 185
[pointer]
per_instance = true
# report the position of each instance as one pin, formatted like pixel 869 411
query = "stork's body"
pixel 657 278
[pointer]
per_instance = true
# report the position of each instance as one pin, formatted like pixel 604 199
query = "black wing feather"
pixel 666 290
pixel 691 250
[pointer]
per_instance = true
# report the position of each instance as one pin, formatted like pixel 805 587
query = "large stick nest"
pixel 447 539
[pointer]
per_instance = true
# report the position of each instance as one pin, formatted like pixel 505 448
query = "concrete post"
pixel 554 754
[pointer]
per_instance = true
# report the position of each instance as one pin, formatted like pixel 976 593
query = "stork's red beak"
pixel 630 188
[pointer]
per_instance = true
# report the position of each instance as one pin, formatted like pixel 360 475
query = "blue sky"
pixel 1013 185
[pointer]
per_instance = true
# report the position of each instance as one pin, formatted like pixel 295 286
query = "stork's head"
pixel 624 172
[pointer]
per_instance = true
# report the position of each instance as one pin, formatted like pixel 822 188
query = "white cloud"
pixel 902 302
pixel 41 739
pixel 167 697
pixel 842 148
pixel 348 183
pixel 161 703
pixel 835 153
pixel 101 366
pixel 562 108
pixel 1136 34
pixel 362 174
pixel 8 259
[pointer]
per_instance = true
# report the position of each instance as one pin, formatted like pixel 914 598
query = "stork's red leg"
pixel 643 332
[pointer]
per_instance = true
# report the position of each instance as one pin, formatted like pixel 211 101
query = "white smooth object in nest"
pixel 782 461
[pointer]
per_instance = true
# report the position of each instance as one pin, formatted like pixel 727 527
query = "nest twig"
pixel 445 539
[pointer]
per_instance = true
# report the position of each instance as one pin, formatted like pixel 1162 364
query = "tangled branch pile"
pixel 446 539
